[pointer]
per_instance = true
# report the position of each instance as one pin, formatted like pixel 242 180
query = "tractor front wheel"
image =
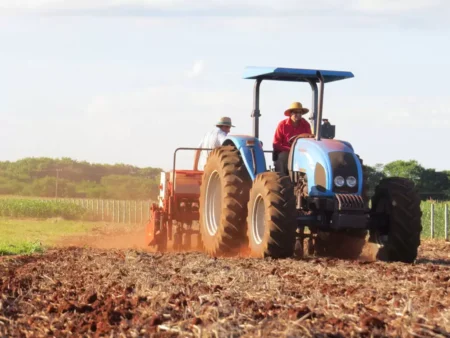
pixel 223 202
pixel 271 216
pixel 396 220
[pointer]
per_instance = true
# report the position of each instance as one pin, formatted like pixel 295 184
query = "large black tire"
pixel 223 202
pixel 271 216
pixel 396 220
pixel 340 244
pixel 365 189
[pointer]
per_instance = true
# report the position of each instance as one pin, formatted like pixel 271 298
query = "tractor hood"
pixel 322 161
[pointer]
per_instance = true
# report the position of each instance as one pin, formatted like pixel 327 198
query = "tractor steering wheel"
pixel 304 135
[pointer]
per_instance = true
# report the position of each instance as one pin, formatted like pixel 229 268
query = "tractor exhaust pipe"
pixel 319 112
pixel 256 112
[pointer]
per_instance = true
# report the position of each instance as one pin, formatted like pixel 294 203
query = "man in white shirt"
pixel 212 139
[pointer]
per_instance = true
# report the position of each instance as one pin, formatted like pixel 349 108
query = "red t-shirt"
pixel 285 130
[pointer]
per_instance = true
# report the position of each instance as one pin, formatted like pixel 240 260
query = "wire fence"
pixel 435 215
pixel 116 211
pixel 435 221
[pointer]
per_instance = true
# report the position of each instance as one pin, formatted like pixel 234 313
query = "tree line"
pixel 65 177
pixel 432 184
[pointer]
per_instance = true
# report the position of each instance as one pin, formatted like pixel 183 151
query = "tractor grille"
pixel 346 202
pixel 343 164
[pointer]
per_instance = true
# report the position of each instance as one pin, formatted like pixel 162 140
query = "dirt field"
pixel 97 290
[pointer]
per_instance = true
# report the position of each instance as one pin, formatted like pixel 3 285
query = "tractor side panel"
pixel 322 161
pixel 251 152
pixel 163 188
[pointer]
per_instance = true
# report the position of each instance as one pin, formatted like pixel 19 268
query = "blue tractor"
pixel 323 200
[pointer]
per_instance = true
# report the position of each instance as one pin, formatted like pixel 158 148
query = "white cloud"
pixel 218 7
pixel 157 120
pixel 400 111
pixel 196 70
pixel 396 5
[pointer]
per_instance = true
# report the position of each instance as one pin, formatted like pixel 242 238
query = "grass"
pixel 26 236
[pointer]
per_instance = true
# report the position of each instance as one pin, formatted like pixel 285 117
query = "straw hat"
pixel 224 121
pixel 296 106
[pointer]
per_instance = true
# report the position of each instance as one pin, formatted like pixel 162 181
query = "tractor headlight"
pixel 351 181
pixel 339 181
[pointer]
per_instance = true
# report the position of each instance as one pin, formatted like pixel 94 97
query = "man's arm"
pixel 279 143
pixel 197 156
pixel 221 136
pixel 307 127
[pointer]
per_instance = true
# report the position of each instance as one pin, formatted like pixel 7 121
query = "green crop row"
pixel 40 209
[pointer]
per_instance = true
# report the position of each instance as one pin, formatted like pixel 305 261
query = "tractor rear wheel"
pixel 223 202
pixel 396 220
pixel 271 216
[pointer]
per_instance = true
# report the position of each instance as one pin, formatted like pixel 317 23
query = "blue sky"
pixel 130 81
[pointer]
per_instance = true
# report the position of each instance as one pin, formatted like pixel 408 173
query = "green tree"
pixel 46 187
pixel 407 169
pixel 90 189
pixel 129 187
pixel 36 176
pixel 373 177
pixel 434 184
pixel 10 186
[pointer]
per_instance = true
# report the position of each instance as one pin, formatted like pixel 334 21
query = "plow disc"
pixel 156 229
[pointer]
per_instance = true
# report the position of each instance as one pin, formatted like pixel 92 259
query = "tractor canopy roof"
pixel 294 74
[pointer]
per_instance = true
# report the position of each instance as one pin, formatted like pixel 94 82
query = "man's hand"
pixel 304 135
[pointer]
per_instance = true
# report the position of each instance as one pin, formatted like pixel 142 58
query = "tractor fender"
pixel 251 151
pixel 315 159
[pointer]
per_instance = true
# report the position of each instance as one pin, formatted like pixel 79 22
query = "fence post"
pixel 135 212
pixel 142 211
pixel 124 211
pixel 129 212
pixel 117 208
pixel 446 222
pixel 432 221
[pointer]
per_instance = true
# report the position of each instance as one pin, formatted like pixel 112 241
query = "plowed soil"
pixel 128 292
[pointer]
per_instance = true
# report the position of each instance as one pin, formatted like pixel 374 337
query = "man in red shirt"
pixel 294 125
